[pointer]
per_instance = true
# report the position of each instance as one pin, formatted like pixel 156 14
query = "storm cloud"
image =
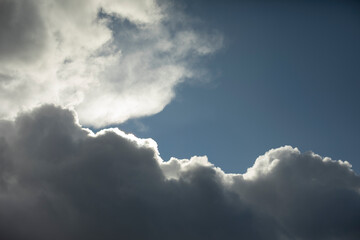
pixel 61 181
pixel 111 60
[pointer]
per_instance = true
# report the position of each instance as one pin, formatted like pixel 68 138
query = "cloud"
pixel 110 60
pixel 61 181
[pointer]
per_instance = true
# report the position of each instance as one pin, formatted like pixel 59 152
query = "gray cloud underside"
pixel 59 181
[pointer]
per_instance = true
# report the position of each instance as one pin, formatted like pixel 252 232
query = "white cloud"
pixel 110 60
pixel 60 181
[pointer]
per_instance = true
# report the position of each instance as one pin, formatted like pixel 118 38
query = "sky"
pixel 287 75
pixel 179 119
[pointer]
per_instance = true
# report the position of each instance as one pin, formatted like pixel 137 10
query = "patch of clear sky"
pixel 288 75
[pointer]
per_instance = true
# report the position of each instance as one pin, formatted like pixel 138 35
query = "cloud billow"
pixel 61 181
pixel 110 60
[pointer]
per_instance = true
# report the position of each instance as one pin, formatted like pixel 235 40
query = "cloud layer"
pixel 111 60
pixel 60 181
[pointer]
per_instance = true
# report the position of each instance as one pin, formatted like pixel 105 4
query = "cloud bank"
pixel 61 181
pixel 110 60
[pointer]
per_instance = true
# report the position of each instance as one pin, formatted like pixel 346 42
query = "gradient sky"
pixel 288 74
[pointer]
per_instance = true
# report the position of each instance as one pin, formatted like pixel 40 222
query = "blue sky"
pixel 288 74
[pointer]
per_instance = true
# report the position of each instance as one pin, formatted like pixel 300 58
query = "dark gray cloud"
pixel 59 181
pixel 22 31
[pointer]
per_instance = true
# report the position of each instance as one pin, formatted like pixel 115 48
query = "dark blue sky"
pixel 288 74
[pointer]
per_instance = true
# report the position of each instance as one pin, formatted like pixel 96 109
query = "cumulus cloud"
pixel 61 181
pixel 111 60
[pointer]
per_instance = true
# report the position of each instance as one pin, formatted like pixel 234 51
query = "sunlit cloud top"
pixel 108 60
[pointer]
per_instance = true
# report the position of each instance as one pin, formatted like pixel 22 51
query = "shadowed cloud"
pixel 60 181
